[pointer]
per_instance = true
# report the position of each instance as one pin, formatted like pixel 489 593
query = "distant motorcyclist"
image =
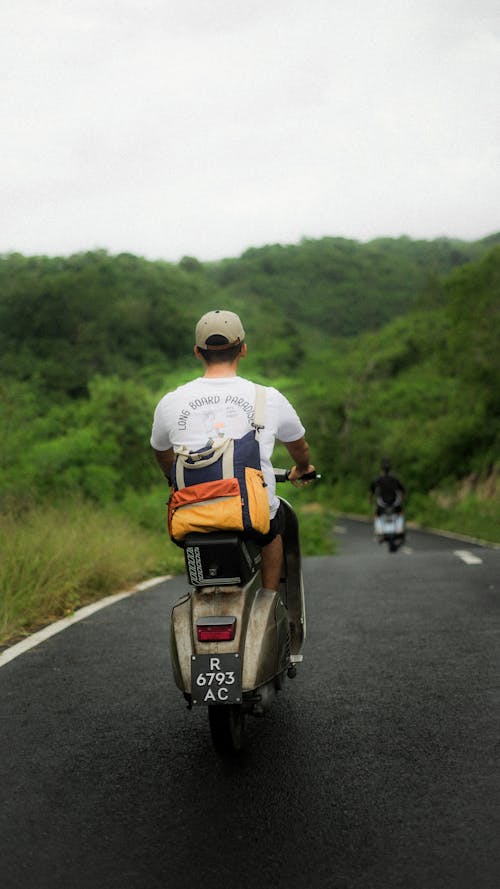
pixel 388 489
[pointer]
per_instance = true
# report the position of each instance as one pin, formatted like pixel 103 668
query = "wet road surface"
pixel 377 767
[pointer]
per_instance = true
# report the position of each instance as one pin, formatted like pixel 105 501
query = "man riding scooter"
pixel 240 630
pixel 220 404
pixel 388 491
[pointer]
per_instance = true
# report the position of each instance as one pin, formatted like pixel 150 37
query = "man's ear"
pixel 198 353
pixel 244 350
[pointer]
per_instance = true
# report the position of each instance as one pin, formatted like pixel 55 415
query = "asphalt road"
pixel 377 768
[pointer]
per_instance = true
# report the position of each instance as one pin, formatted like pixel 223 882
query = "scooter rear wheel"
pixel 226 723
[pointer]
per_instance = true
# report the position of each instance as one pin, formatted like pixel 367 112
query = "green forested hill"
pixel 66 319
pixel 339 286
pixel 387 349
pixel 93 313
pixel 425 389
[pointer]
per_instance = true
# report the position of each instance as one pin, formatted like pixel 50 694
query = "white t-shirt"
pixel 223 407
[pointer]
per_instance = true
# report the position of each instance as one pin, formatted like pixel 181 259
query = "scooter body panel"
pixel 261 632
pixel 266 647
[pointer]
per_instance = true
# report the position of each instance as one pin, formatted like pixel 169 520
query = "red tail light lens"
pixel 215 629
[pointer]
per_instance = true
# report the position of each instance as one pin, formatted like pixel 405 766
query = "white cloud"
pixel 203 127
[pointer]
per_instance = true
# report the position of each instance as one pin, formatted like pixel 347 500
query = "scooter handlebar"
pixel 283 475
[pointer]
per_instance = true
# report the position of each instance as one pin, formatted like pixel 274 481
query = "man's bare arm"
pixel 299 452
pixel 165 460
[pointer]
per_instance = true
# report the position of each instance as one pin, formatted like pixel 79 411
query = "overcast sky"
pixel 203 127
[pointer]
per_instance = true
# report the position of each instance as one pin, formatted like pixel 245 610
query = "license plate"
pixel 216 678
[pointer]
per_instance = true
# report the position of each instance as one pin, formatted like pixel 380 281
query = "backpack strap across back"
pixel 260 409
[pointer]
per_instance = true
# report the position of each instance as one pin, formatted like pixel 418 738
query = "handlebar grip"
pixel 282 475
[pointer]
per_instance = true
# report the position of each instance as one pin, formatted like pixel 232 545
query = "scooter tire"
pixel 227 723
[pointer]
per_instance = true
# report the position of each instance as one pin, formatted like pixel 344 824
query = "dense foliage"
pixel 338 286
pixel 389 347
pixel 424 390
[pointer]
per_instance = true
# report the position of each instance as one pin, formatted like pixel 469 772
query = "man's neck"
pixel 221 370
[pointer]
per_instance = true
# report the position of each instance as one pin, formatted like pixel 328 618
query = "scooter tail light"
pixel 215 629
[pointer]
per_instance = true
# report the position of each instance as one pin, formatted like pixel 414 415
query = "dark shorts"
pixel 277 527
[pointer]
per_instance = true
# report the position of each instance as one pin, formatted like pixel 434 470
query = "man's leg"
pixel 272 556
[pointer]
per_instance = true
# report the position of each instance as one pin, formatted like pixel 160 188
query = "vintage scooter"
pixel 232 642
pixel 390 524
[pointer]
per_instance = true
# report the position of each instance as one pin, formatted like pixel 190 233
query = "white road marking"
pixel 37 638
pixel 339 529
pixel 467 557
pixel 407 549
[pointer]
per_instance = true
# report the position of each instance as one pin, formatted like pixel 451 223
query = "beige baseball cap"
pixel 219 323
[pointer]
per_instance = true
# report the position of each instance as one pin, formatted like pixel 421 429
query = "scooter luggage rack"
pixel 220 559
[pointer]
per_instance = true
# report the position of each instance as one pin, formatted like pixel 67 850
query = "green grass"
pixel 55 560
pixel 471 516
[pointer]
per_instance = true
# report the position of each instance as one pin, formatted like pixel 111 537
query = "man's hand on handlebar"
pixel 298 478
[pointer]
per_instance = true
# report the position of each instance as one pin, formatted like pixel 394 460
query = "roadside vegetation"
pixel 54 560
pixel 386 349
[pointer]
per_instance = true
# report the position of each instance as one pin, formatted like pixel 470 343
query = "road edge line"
pixel 58 626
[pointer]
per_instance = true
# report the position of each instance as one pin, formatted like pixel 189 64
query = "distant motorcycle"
pixel 390 524
pixel 232 642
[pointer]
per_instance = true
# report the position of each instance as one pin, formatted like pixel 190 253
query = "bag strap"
pixel 260 410
pixel 209 455
pixel 186 459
